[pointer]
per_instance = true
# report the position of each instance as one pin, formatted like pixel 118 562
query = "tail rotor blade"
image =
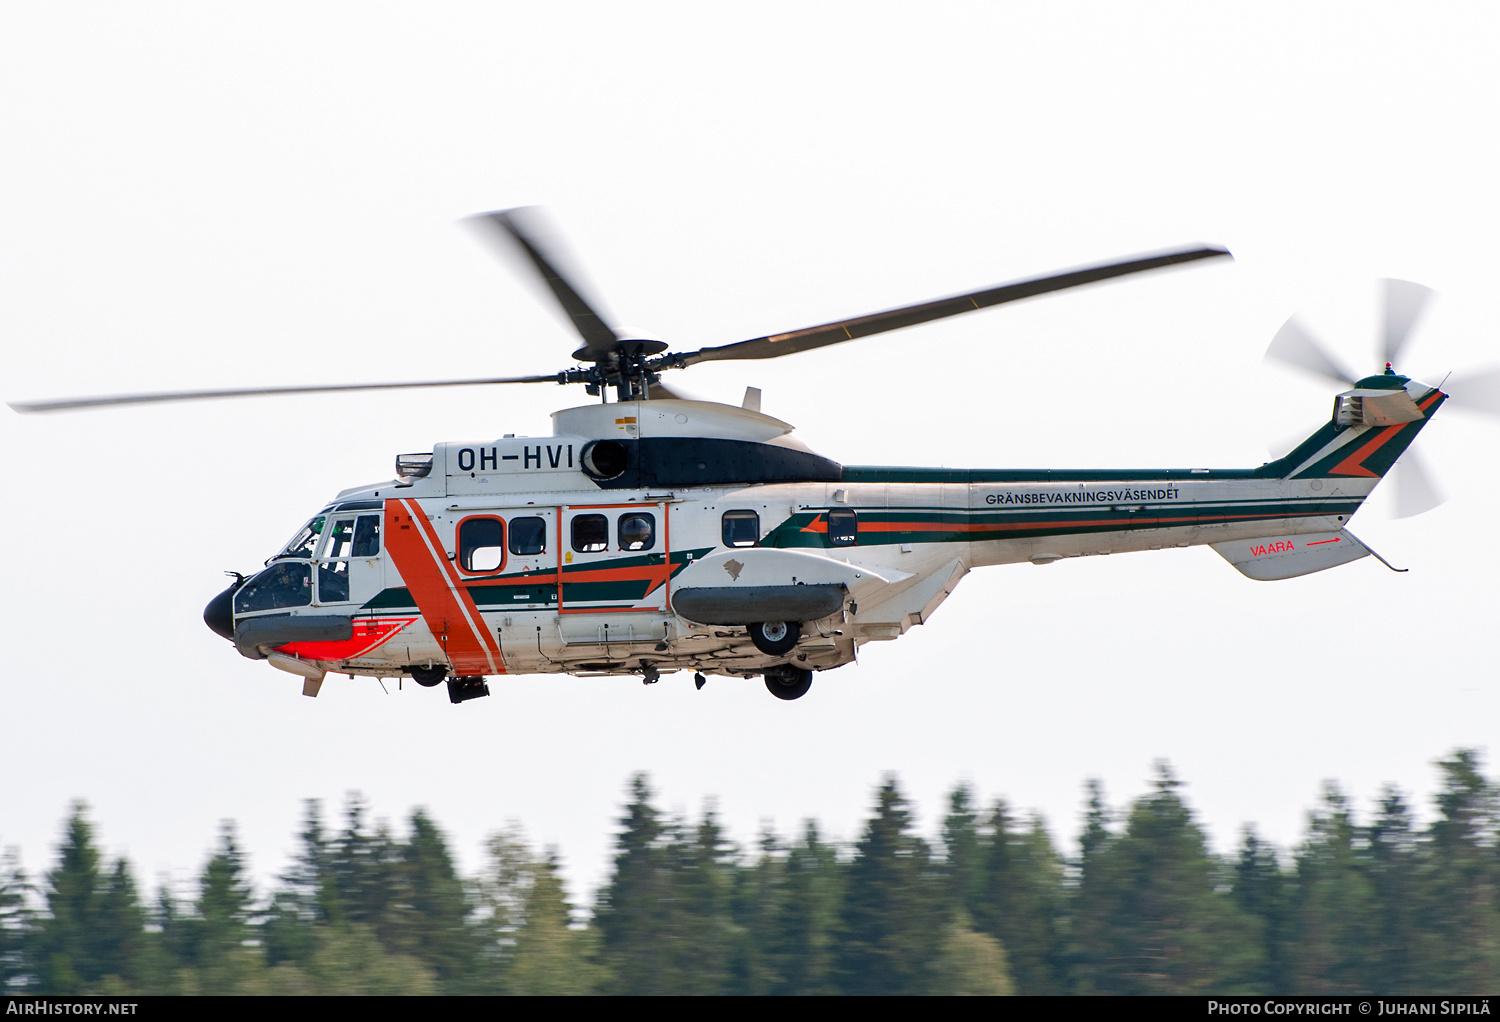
pixel 1416 492
pixel 1294 345
pixel 1477 391
pixel 1404 302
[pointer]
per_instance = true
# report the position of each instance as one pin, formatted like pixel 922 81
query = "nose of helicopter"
pixel 219 614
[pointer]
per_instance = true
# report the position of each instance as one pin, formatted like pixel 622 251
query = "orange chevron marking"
pixel 1354 464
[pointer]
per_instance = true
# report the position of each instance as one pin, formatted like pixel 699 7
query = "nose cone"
pixel 219 614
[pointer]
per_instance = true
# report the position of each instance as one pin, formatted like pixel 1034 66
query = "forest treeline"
pixel 991 907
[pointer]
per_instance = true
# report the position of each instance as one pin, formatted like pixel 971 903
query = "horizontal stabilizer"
pixel 1278 557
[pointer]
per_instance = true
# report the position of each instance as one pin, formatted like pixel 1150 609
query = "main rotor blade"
pixel 526 227
pixel 1416 492
pixel 894 319
pixel 1297 347
pixel 658 391
pixel 73 404
pixel 1404 302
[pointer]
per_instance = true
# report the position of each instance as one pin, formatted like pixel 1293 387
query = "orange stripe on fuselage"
pixel 448 610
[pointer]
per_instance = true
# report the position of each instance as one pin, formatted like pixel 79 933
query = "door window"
pixel 481 544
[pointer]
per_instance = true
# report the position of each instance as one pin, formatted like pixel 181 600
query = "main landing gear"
pixel 775 638
pixel 428 676
pixel 787 682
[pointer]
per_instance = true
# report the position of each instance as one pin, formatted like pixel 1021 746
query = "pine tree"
pixel 94 924
pixel 366 873
pixel 219 933
pixel 1336 919
pixel 1392 866
pixel 754 905
pixel 803 937
pixel 705 938
pixel 963 854
pixel 307 898
pixel 15 923
pixel 1150 914
pixel 1265 893
pixel 1021 902
pixel 549 957
pixel 896 909
pixel 634 914
pixel 1462 875
pixel 436 928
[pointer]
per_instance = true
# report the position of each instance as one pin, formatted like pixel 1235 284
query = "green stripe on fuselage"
pixel 889 526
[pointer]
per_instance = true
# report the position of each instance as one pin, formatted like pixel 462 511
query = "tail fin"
pixel 1371 427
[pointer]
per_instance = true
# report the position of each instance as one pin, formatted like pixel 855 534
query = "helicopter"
pixel 650 533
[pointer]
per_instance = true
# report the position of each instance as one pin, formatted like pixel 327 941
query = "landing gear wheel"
pixel 428 677
pixel 775 638
pixel 788 682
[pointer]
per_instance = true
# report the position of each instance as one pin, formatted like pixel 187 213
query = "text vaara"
pixel 1082 496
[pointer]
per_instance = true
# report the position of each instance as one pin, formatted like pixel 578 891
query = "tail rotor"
pixel 1403 303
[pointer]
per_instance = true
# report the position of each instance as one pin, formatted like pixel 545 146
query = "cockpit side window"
pixel 367 536
pixel 303 544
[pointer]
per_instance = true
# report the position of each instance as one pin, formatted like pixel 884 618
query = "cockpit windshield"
pixel 303 544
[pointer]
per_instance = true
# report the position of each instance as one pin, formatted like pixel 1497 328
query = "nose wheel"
pixel 787 682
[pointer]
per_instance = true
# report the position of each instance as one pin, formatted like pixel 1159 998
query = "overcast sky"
pixel 219 195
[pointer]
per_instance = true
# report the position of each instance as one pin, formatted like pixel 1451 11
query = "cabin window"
pixel 481 544
pixel 843 528
pixel 741 528
pixel 367 536
pixel 280 585
pixel 637 531
pixel 590 533
pixel 528 536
